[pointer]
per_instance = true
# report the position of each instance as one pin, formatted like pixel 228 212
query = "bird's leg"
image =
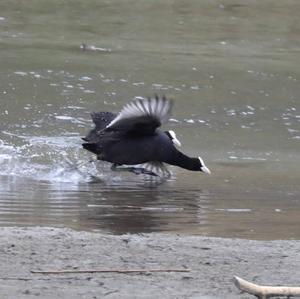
pixel 114 167
pixel 135 170
pixel 119 167
pixel 140 170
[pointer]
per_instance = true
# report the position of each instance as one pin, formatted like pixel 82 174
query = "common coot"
pixel 132 137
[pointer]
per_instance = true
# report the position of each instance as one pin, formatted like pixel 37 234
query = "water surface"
pixel 233 71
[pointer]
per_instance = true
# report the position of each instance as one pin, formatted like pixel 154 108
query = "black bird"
pixel 132 137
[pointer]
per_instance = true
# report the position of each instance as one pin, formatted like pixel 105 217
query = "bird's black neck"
pixel 183 161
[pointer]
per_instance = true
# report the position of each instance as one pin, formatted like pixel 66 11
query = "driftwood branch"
pixel 264 292
pixel 107 271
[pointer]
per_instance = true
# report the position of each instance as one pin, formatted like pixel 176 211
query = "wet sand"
pixel 213 263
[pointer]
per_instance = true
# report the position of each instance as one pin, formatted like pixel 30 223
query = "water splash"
pixel 55 159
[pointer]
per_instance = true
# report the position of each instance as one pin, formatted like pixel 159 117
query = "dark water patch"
pixel 128 205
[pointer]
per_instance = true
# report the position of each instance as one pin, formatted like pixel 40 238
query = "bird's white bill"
pixel 203 167
pixel 174 138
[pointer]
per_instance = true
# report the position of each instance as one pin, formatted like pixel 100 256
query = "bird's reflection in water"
pixel 151 206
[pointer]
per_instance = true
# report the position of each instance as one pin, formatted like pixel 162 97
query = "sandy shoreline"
pixel 213 263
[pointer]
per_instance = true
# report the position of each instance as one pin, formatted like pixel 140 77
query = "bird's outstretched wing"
pixel 142 116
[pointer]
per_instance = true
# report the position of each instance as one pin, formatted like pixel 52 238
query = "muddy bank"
pixel 213 263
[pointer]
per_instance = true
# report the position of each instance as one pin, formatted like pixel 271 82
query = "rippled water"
pixel 233 71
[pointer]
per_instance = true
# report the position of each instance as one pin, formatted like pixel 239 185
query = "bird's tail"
pixel 92 147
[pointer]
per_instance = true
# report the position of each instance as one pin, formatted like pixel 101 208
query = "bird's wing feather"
pixel 142 116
